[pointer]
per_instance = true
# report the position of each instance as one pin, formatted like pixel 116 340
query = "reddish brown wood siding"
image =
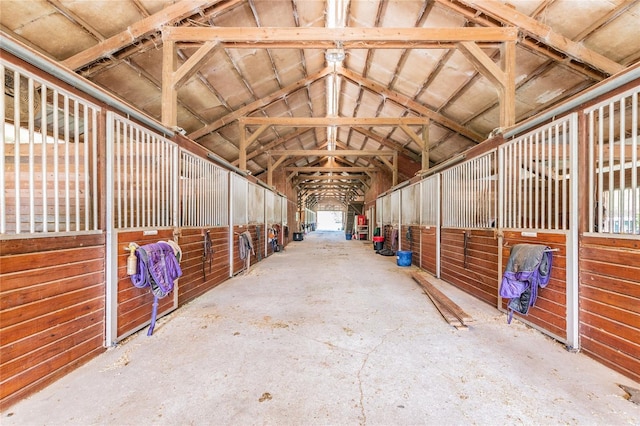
pixel 610 303
pixel 135 304
pixel 550 310
pixel 477 271
pixel 428 246
pixel 193 282
pixel 238 264
pixel 51 310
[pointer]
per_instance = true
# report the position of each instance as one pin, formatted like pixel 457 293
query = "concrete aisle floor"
pixel 327 332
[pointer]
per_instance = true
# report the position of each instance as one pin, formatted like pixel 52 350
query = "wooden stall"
pixel 82 181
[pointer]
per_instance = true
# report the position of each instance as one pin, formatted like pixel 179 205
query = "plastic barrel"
pixel 404 258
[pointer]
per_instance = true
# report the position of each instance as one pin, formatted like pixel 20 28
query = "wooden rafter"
pixel 331 121
pixel 335 153
pixel 544 34
pixel 140 29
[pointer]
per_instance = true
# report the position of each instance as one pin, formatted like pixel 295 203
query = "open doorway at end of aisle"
pixel 330 221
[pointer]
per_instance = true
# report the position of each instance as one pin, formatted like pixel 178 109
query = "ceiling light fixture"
pixel 333 56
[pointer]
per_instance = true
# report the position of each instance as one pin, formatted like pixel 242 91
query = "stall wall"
pixel 550 310
pixel 471 265
pixel 428 249
pixel 134 304
pixel 610 303
pixel 51 310
pixel 200 274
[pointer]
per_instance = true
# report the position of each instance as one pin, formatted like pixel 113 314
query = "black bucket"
pixel 378 245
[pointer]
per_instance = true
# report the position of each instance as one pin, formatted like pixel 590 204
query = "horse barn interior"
pixel 450 131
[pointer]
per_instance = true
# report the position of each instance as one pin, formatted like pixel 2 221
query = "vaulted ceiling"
pixel 439 60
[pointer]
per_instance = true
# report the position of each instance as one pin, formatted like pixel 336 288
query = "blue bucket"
pixel 347 236
pixel 404 258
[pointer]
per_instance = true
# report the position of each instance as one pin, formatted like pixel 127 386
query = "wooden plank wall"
pixel 238 264
pixel 194 282
pixel 550 310
pixel 387 233
pixel 610 303
pixel 477 272
pixel 51 310
pixel 428 246
pixel 135 304
pixel 410 241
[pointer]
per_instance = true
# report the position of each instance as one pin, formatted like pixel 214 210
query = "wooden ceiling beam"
pixel 304 178
pixel 334 153
pixel 312 169
pixel 273 144
pixel 544 34
pixel 331 121
pixel 323 45
pixel 144 27
pixel 264 36
pixel 529 43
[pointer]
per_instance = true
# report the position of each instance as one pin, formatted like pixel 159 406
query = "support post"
pixel 169 95
pixel 425 147
pixel 242 154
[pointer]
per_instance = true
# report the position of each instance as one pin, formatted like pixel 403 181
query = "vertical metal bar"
pixel 507 173
pixel 3 203
pixel 566 173
pixel 550 178
pixel 94 150
pixel 501 190
pixel 154 180
pixel 16 154
pixel 635 229
pixel 138 181
pixel 128 175
pixel 175 201
pixel 553 173
pixel 44 159
pixel 622 160
pixel 525 180
pixel 76 154
pixel 558 175
pixel 166 183
pixel 191 192
pixel 515 178
pixel 111 274
pixel 521 183
pixel 56 160
pixel 143 184
pixel 573 323
pixel 541 213
pixel 119 176
pixel 31 112
pixel 86 169
pixel 591 172
pixel 600 197
pixel 183 195
pixel 67 172
pixel 613 211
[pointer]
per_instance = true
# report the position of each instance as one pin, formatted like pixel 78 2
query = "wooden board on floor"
pixel 450 311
